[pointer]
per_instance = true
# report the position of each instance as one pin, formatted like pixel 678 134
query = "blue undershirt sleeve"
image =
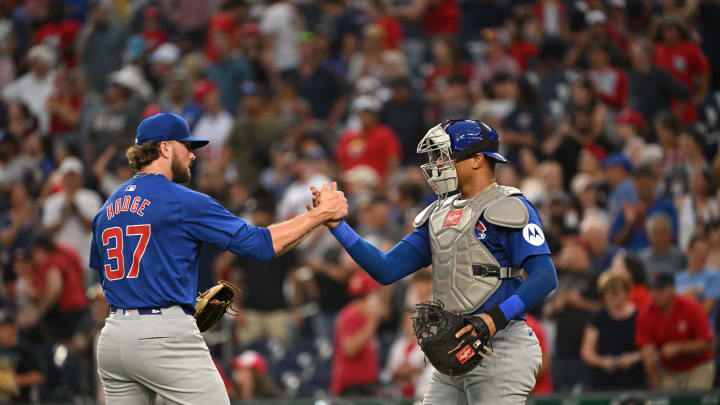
pixel 385 268
pixel 541 280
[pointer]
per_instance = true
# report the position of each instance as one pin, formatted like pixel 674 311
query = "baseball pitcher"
pixel 146 241
pixel 477 240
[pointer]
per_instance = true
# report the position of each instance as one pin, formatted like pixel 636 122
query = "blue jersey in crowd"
pixel 147 237
pixel 510 247
pixel 705 282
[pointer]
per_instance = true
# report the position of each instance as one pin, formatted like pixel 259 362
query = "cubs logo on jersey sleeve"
pixel 480 230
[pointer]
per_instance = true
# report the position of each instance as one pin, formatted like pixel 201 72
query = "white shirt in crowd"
pixel 399 355
pixel 73 232
pixel 296 195
pixel 689 217
pixel 33 91
pixel 216 129
pixel 280 21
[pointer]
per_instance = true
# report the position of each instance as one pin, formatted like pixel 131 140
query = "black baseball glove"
pixel 435 329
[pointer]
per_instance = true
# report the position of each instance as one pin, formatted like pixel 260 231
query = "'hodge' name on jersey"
pixel 125 204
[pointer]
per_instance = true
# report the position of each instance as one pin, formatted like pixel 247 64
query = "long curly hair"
pixel 140 156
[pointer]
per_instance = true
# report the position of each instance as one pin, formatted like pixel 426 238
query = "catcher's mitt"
pixel 212 304
pixel 435 329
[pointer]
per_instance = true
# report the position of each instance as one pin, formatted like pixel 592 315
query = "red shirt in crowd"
pixel 360 369
pixel 543 385
pixel 154 38
pixel 640 296
pixel 442 17
pixel 67 261
pixel 57 126
pixel 612 86
pixel 393 31
pixel 439 75
pixel 523 51
pixel 375 147
pixel 61 36
pixel 685 61
pixel 219 22
pixel 686 321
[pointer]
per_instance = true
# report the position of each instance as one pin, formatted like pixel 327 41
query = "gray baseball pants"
pixel 142 356
pixel 510 382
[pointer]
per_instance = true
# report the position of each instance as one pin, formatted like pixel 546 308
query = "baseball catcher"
pixel 479 237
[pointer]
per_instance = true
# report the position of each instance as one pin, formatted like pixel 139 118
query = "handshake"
pixel 329 203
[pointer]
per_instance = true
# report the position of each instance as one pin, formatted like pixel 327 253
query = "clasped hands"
pixel 330 202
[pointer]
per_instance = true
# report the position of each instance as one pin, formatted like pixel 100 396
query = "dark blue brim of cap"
pixel 195 142
pixel 495 156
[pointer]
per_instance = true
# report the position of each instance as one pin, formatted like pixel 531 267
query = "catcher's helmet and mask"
pixel 455 140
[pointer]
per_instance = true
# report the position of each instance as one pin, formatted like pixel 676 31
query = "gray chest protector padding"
pixel 455 247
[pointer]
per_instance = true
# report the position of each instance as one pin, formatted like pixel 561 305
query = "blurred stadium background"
pixel 609 111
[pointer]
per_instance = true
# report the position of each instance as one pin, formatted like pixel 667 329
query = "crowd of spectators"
pixel 608 110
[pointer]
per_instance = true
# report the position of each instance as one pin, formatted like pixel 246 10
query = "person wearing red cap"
pixel 228 71
pixel 152 31
pixel 250 377
pixel 630 128
pixel 249 41
pixel 215 123
pixel 632 118
pixel 355 361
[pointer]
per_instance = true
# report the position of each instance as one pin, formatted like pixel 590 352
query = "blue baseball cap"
pixel 469 137
pixel 617 159
pixel 166 127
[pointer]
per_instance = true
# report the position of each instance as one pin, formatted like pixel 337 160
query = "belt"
pixel 149 311
pixel 490 270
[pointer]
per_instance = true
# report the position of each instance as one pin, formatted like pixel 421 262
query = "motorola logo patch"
pixel 533 234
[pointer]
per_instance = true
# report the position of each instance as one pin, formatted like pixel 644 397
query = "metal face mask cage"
pixel 440 170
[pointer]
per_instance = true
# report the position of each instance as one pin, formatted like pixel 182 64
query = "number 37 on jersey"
pixel 114 239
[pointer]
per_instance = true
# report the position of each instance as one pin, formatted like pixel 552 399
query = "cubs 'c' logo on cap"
pixel 480 230
pixel 453 218
pixel 533 234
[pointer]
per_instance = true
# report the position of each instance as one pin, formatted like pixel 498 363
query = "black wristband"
pixel 498 317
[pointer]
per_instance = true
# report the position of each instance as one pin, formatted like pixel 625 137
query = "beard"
pixel 180 174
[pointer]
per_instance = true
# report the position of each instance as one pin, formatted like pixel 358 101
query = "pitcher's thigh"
pixel 126 393
pixel 180 370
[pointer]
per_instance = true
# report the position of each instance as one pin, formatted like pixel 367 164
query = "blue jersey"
pixel 147 237
pixel 510 247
